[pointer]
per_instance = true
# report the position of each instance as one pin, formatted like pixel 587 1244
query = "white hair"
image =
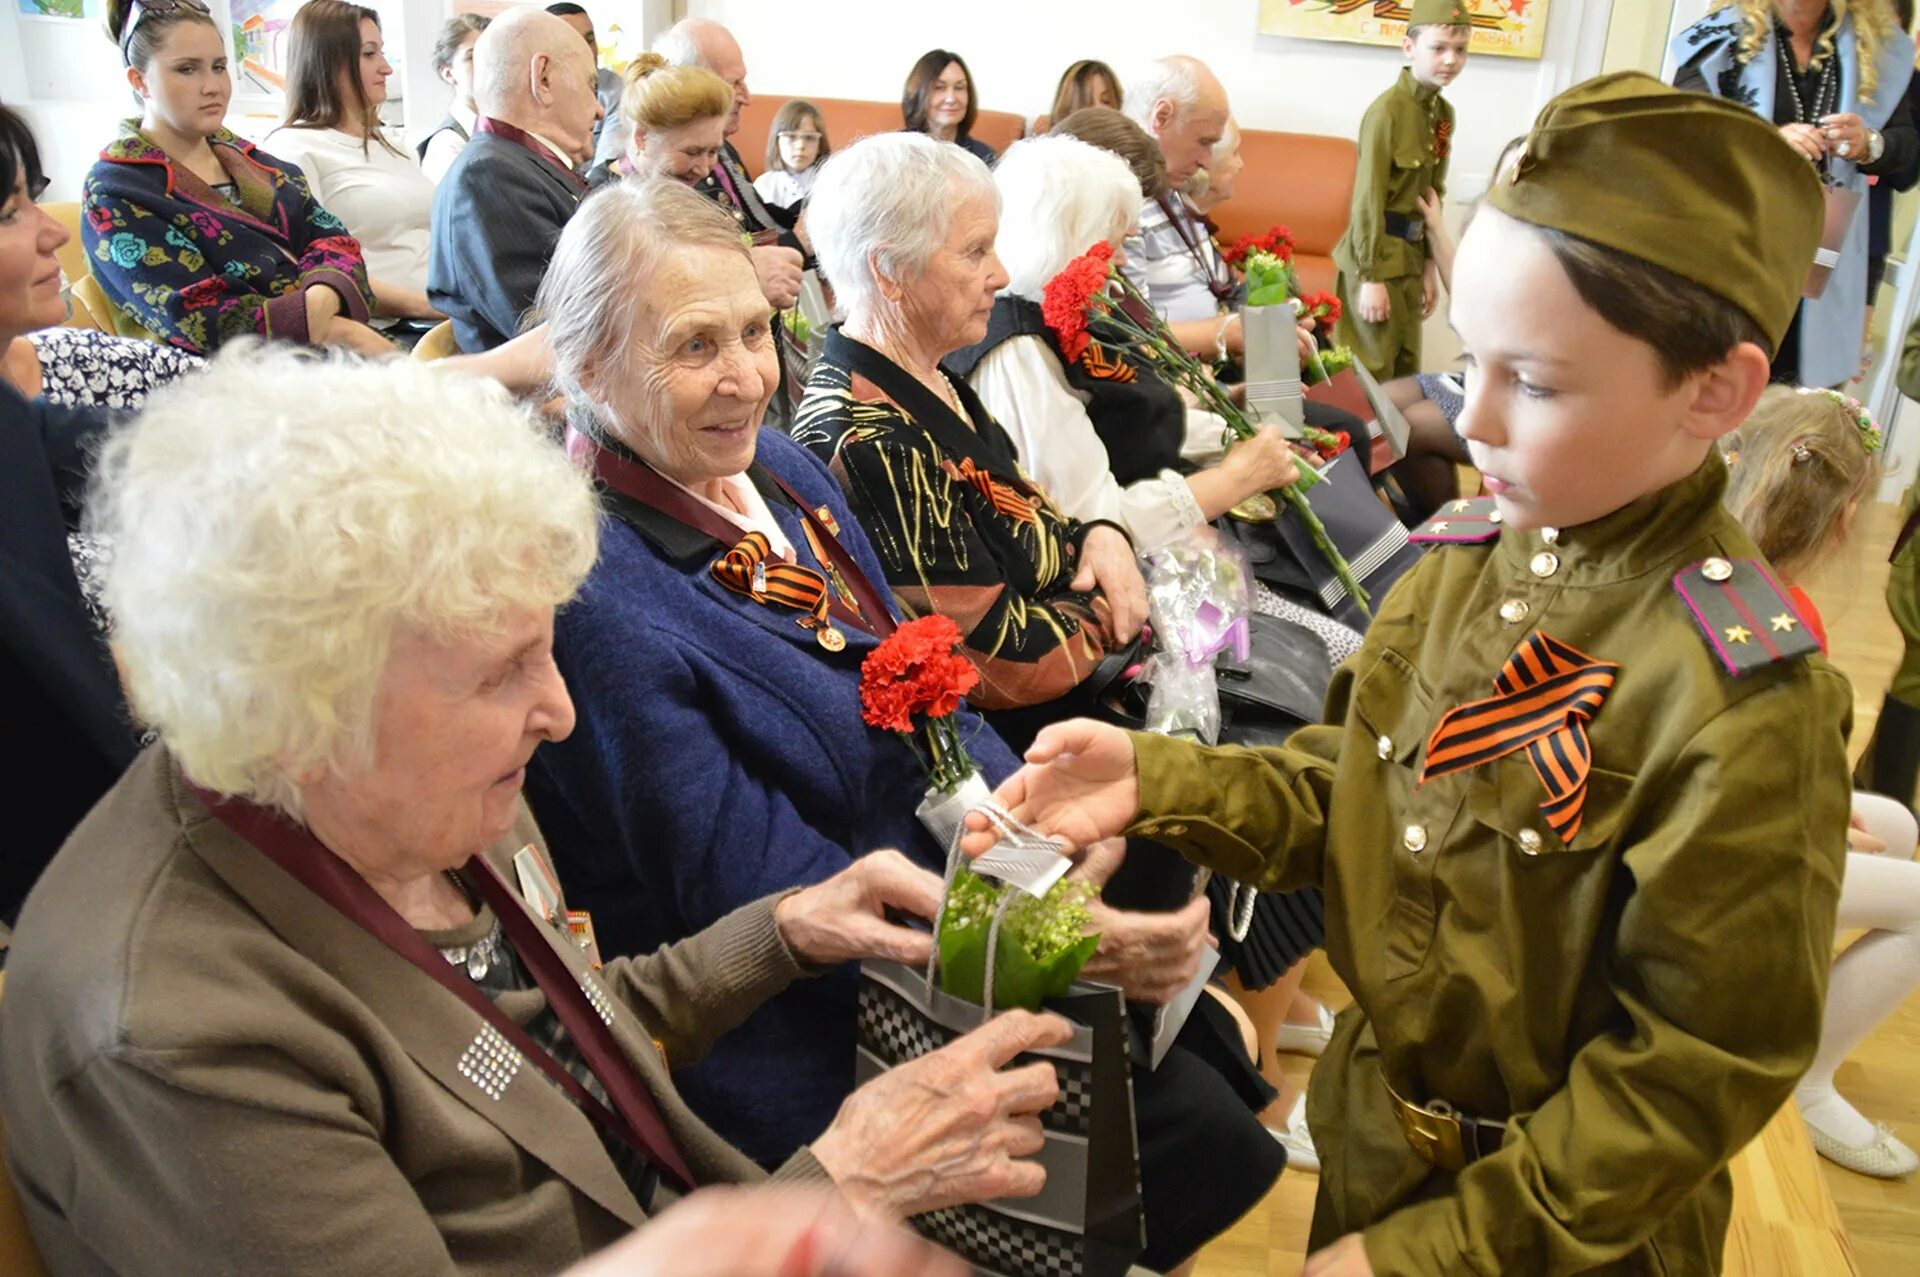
pixel 596 288
pixel 884 205
pixel 679 44
pixel 1059 196
pixel 277 521
pixel 1175 79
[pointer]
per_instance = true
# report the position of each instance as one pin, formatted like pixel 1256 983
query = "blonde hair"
pixel 1873 23
pixel 659 95
pixel 278 520
pixel 1796 466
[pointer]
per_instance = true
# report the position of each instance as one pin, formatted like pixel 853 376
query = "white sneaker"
pixel 1885 1158
pixel 1306 1039
pixel 1297 1140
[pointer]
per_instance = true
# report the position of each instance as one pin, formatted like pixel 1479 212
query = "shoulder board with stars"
pixel 1746 617
pixel 1473 521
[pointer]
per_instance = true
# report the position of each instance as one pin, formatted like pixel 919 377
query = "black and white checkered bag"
pixel 1086 1221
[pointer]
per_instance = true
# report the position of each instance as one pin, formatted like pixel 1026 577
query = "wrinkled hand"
pixel 778 270
pixel 1079 784
pixel 1108 565
pixel 796 1232
pixel 844 918
pixel 1375 304
pixel 1806 139
pixel 1345 1258
pixel 1848 129
pixel 955 1125
pixel 1429 288
pixel 1149 956
pixel 1303 338
pixel 353 335
pixel 1261 463
pixel 1858 839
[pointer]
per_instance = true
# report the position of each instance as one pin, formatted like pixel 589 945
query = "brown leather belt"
pixel 1443 1136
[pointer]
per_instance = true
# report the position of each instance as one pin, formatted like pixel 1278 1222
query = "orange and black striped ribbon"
pixel 1545 696
pixel 749 569
pixel 1005 500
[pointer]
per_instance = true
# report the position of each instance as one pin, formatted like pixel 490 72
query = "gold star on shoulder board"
pixel 1461 507
pixel 1739 634
pixel 1783 623
pixel 1441 526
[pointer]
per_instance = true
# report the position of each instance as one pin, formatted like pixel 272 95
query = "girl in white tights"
pixel 1799 466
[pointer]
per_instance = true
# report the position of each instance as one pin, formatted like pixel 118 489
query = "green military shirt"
pixel 1406 138
pixel 1635 1004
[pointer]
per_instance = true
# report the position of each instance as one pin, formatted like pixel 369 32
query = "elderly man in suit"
pixel 500 208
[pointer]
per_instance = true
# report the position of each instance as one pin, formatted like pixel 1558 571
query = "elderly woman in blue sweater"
pixel 714 655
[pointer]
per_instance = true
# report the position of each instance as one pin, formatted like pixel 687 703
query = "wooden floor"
pixel 1786 1234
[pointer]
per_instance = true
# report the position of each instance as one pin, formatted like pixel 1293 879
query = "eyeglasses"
pixel 799 137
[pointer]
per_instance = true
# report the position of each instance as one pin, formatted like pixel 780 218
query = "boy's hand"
pixel 1375 305
pixel 1345 1258
pixel 1858 839
pixel 1080 785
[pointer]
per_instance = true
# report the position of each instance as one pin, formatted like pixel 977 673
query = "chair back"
pixel 1298 180
pixel 437 343
pixel 848 119
pixel 106 316
pixel 19 1257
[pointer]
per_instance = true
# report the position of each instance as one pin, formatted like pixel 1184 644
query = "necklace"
pixel 1826 95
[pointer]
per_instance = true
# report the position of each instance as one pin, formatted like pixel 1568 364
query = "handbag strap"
pixel 637 1121
pixel 1221 289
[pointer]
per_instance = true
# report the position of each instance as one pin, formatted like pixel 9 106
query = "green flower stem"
pixel 951 764
pixel 1155 344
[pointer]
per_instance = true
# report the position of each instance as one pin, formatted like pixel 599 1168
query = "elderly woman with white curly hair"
pixel 301 994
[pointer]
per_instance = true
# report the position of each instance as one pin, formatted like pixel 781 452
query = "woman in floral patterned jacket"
pixel 195 234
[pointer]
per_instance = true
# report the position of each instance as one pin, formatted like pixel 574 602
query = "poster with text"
pixel 1503 28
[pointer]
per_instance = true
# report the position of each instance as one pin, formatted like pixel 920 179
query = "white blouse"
pixel 383 197
pixel 446 145
pixel 779 187
pixel 1023 385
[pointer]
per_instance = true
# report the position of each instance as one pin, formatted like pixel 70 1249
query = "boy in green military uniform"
pixel 1387 278
pixel 1579 805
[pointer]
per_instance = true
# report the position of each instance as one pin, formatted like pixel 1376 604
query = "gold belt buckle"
pixel 1433 1132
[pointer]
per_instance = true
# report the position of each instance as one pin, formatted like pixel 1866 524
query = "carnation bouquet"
pixel 912 684
pixel 1089 289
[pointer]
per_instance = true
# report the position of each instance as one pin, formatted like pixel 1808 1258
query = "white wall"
pixel 1018 48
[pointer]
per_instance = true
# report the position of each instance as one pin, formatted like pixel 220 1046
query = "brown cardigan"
pixel 206 1069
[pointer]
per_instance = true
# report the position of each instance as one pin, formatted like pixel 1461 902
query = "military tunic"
pixel 1635 1004
pixel 1406 138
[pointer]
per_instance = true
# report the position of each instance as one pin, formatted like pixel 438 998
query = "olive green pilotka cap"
pixel 1701 187
pixel 1440 13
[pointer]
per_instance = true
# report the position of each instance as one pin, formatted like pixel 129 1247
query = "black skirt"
pixel 1285 929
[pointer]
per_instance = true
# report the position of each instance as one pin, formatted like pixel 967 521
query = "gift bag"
pixel 1841 203
pixel 1366 533
pixel 1272 364
pixel 1086 1222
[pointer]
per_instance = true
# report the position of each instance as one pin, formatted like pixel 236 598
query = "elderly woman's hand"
pixel 1150 957
pixel 1261 463
pixel 953 1126
pixel 1108 565
pixel 796 1232
pixel 844 919
pixel 778 270
pixel 357 337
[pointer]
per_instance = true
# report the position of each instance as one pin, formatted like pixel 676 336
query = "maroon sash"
pixel 520 137
pixel 641 483
pixel 634 1119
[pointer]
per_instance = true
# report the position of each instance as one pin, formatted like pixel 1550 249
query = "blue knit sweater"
pixel 720 756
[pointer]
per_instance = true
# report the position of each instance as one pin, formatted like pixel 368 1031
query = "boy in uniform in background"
pixel 1387 278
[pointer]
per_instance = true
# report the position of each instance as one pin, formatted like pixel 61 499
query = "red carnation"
pixel 1069 297
pixel 919 670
